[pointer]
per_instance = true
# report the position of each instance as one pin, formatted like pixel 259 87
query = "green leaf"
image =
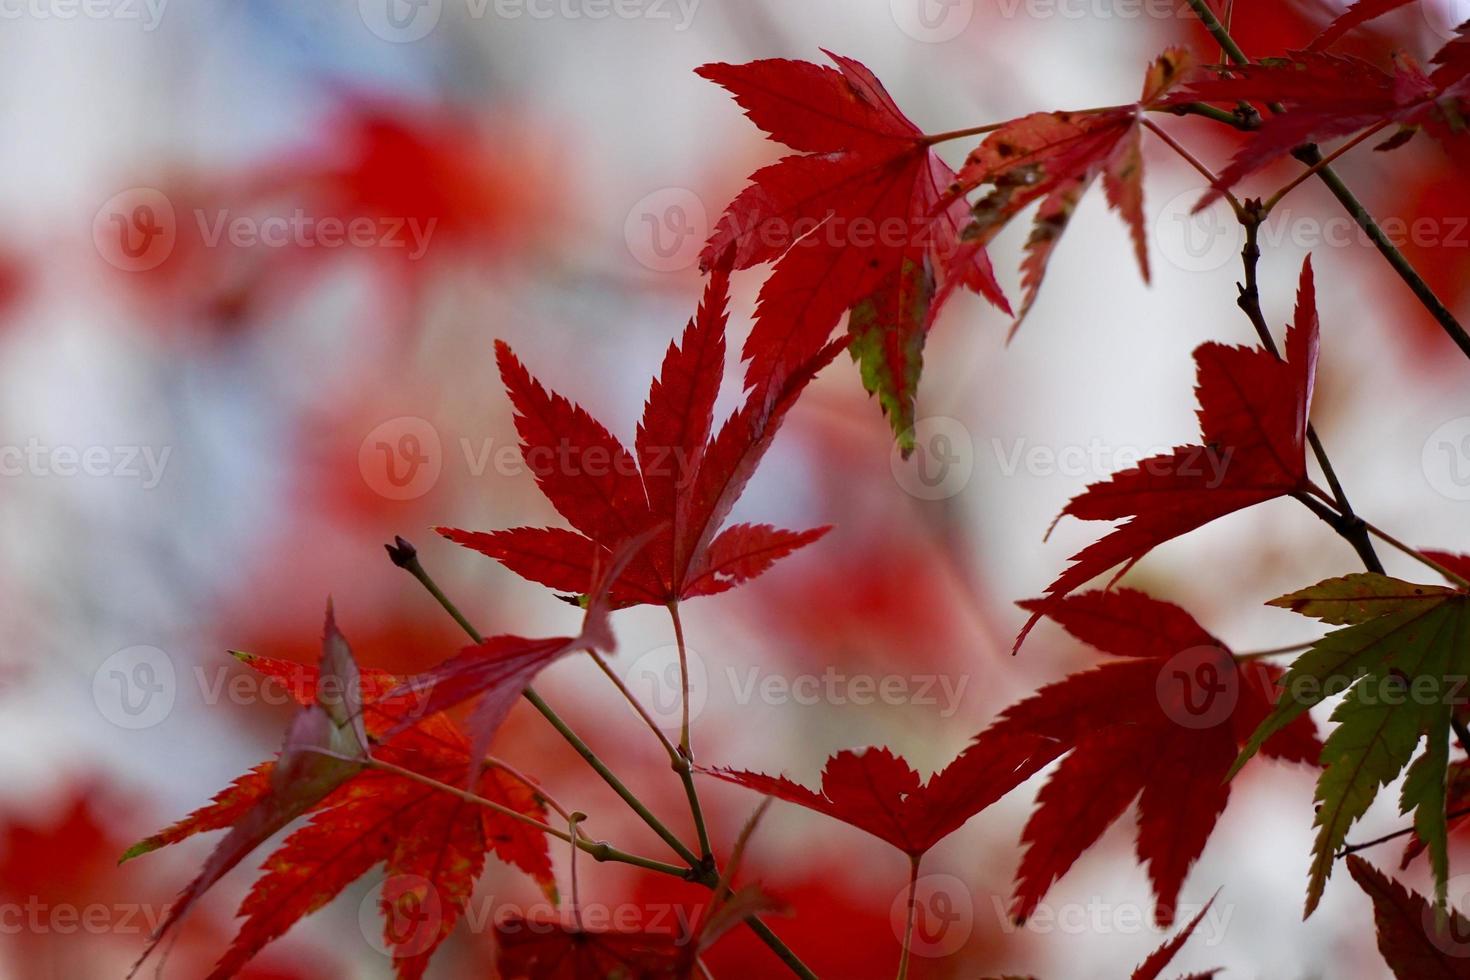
pixel 1402 657
pixel 887 331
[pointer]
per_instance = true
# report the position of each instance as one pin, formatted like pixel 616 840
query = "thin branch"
pixel 1311 156
pixel 701 871
pixel 1219 32
pixel 599 850
pixel 1273 652
pixel 677 761
pixel 405 556
pixel 1346 523
pixel 1416 554
pixel 1402 832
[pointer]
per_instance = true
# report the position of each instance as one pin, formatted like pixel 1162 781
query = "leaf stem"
pixel 1417 555
pixel 1273 652
pixel 1190 158
pixel 1317 167
pixel 1402 832
pixel 406 557
pixel 683 680
pixel 683 761
pixel 956 134
pixel 908 928
pixel 637 705
pixel 677 762
pixel 1206 110
pixel 959 134
pixel 599 850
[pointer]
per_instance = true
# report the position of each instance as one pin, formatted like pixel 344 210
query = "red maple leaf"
pixel 1253 420
pixel 1359 13
pixel 1053 157
pixel 861 218
pixel 681 485
pixel 1164 726
pixel 1414 941
pixel 876 791
pixel 1324 96
pixel 432 843
pixel 1150 968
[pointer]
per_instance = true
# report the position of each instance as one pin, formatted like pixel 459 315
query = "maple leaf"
pixel 1162 726
pixel 552 949
pixel 876 791
pixel 1150 968
pixel 861 218
pixel 1253 420
pixel 1400 657
pixel 1053 157
pixel 1356 15
pixel 1325 96
pixel 1415 941
pixel 681 485
pixel 432 843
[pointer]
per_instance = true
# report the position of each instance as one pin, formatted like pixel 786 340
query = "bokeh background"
pixel 215 423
